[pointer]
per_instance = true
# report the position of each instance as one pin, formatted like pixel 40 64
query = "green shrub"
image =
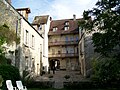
pixel 67 76
pixel 3 60
pixel 9 72
pixel 27 78
pixel 1 80
pixel 106 71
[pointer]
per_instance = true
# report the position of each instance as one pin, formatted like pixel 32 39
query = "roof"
pixel 60 24
pixel 21 9
pixel 40 19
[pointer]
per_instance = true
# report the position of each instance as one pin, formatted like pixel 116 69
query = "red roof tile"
pixel 60 24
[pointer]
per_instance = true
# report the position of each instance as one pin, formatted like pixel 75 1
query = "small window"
pixel 59 52
pixel 66 28
pixel 77 38
pixel 71 39
pixel 66 38
pixel 66 23
pixel 33 40
pixel 26 37
pixel 55 29
pixel 40 27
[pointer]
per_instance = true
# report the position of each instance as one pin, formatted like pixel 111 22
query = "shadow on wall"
pixel 90 54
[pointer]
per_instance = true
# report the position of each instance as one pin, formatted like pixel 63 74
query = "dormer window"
pixel 66 23
pixel 66 28
pixel 55 29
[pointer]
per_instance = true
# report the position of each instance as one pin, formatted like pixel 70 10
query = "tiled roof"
pixel 40 19
pixel 60 24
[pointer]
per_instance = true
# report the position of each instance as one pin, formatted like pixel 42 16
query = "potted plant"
pixel 67 77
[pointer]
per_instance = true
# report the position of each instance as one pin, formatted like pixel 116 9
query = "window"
pixel 53 51
pixel 26 37
pixel 33 64
pixel 77 38
pixel 59 52
pixel 66 28
pixel 66 23
pixel 40 27
pixel 71 50
pixel 66 38
pixel 67 50
pixel 33 40
pixel 55 29
pixel 77 49
pixel 71 39
pixel 26 63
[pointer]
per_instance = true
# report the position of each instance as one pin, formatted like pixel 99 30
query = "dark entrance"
pixel 54 64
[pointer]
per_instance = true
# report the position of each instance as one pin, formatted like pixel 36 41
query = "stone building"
pixel 86 52
pixel 27 54
pixel 63 39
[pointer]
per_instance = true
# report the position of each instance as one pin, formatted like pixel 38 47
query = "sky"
pixel 57 9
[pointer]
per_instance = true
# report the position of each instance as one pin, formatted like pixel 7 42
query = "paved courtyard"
pixel 58 77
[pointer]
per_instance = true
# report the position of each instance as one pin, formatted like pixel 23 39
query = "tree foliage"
pixel 106 70
pixel 105 19
pixel 9 72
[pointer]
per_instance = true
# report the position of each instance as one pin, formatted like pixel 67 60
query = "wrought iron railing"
pixel 63 43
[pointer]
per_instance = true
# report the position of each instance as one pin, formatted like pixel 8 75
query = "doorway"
pixel 54 63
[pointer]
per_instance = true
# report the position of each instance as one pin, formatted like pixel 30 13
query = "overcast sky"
pixel 57 9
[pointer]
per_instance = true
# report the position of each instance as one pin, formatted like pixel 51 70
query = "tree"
pixel 104 21
pixel 106 70
pixel 105 18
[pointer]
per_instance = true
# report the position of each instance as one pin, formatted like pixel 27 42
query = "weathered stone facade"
pixel 11 18
pixel 86 52
pixel 27 53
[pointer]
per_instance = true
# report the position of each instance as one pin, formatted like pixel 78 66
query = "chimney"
pixel 24 12
pixel 50 18
pixel 9 1
pixel 74 17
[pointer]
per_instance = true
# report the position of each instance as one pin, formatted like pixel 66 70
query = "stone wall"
pixel 11 18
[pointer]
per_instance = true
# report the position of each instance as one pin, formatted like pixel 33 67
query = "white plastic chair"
pixel 9 85
pixel 20 85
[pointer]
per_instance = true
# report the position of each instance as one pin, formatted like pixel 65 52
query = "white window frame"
pixel 55 29
pixel 66 28
pixel 26 39
pixel 67 23
pixel 33 41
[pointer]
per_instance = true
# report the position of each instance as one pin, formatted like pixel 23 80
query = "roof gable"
pixel 40 19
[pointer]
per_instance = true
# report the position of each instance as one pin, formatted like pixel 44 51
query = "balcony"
pixel 58 43
pixel 63 55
